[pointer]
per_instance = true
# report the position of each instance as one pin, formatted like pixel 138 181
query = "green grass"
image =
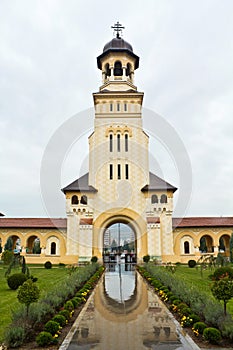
pixel 193 277
pixel 8 298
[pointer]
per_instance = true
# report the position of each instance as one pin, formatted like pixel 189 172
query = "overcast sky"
pixel 48 73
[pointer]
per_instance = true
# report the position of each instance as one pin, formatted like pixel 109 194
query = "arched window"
pixel 126 142
pixel 53 248
pixel 118 142
pixel 163 198
pixel 107 71
pixel 186 247
pixel 118 71
pixel 74 199
pixel 154 199
pixel 128 70
pixel 110 142
pixel 83 199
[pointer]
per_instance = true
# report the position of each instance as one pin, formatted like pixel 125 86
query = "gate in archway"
pixel 119 244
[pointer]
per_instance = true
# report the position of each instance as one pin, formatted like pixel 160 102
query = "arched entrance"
pixel 119 243
pixel 123 216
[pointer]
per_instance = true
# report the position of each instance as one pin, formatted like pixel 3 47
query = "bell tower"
pixel 118 146
pixel 118 63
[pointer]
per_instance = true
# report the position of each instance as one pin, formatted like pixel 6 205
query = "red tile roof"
pixel 202 222
pixel 32 223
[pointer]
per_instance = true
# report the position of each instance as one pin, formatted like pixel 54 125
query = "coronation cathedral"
pixel 118 189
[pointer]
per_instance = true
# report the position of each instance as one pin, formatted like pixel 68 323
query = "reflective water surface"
pixel 124 313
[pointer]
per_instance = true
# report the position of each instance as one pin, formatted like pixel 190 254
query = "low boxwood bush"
pixel 94 259
pixel 75 302
pixel 69 306
pixel 48 265
pixel 65 313
pixel 60 319
pixel 15 337
pixel 44 338
pixel 212 335
pixel 199 326
pixel 192 263
pixel 16 280
pixel 146 258
pixel 195 318
pixel 52 327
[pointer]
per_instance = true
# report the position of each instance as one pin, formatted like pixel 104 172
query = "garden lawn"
pixel 193 276
pixel 8 298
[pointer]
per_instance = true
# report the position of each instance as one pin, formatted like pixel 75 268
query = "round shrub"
pixel 192 263
pixel 60 319
pixel 48 265
pixel 221 272
pixel 69 306
pixel 52 327
pixel 94 259
pixel 176 302
pixel 212 335
pixel 199 326
pixel 146 258
pixel 195 318
pixel 172 298
pixel 16 280
pixel 44 338
pixel 75 302
pixel 185 311
pixel 65 313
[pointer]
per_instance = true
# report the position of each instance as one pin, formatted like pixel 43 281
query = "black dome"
pixel 117 43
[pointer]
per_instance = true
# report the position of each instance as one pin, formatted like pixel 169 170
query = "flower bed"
pixel 51 313
pixel 193 309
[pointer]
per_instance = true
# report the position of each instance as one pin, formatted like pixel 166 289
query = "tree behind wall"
pixel 9 244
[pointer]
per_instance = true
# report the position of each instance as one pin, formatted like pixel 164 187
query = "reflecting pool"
pixel 124 313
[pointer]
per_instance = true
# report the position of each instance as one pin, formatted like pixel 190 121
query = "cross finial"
pixel 118 29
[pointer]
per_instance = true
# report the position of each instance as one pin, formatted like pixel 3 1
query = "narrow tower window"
pixel 118 142
pixel 125 107
pixel 110 171
pixel 110 143
pixel 118 171
pixel 118 71
pixel 118 107
pixel 127 171
pixel 111 108
pixel 126 142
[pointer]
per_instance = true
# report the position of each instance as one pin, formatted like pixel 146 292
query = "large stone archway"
pixel 125 216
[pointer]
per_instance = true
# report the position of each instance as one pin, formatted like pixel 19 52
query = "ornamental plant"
pixel 44 339
pixel 52 327
pixel 198 328
pixel 28 293
pixel 212 335
pixel 223 290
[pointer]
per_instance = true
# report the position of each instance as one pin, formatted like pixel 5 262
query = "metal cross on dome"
pixel 117 28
